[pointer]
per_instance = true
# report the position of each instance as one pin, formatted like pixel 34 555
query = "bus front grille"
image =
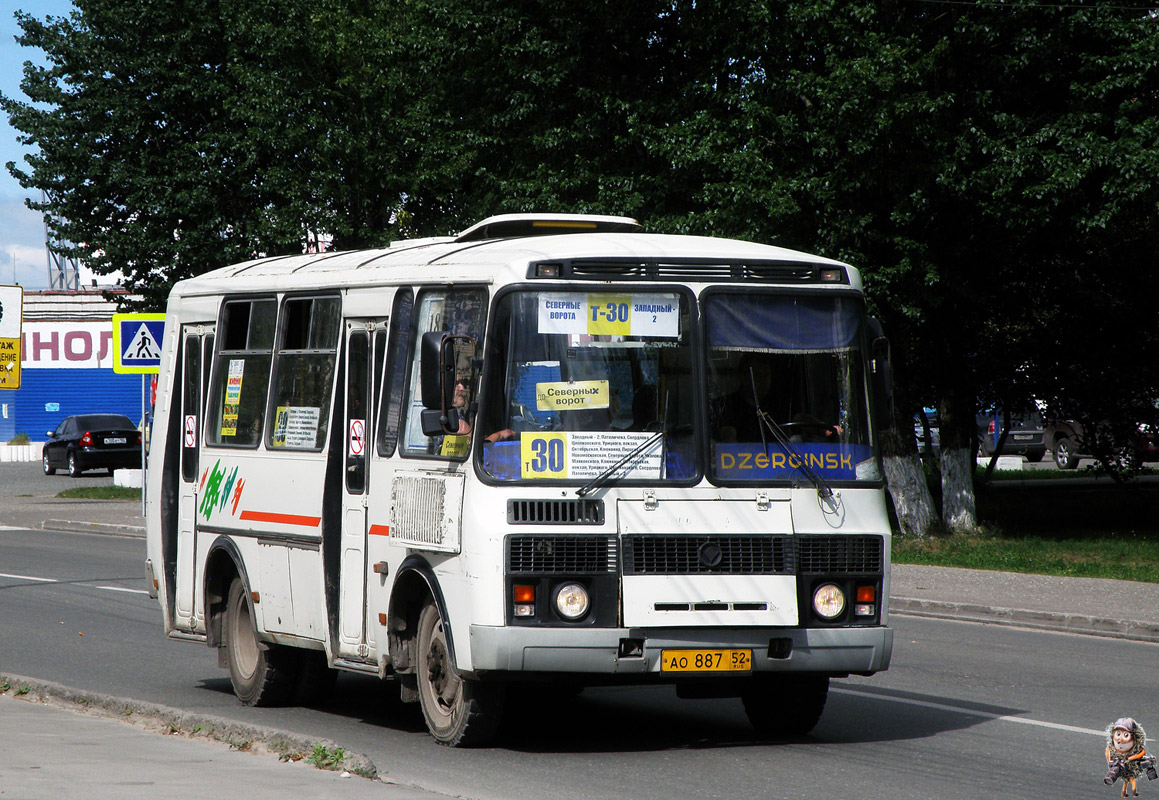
pixel 835 555
pixel 707 555
pixel 559 555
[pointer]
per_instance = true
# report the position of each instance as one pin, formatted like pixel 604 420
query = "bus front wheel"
pixel 459 712
pixel 260 673
pixel 786 704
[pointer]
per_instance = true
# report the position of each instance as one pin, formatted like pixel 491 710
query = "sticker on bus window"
pixel 232 397
pixel 455 446
pixel 656 315
pixel 296 426
pixel 576 455
pixel 564 396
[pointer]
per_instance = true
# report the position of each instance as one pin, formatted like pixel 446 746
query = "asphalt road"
pixel 966 711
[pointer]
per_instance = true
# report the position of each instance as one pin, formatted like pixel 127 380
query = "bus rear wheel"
pixel 459 712
pixel 786 704
pixel 261 673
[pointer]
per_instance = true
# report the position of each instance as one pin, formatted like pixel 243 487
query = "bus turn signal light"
pixel 525 601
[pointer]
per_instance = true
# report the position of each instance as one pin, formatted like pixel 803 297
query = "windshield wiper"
pixel 824 491
pixel 607 474
pixel 636 451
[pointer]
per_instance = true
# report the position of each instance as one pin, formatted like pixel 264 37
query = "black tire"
pixel 74 469
pixel 261 674
pixel 1064 455
pixel 785 705
pixel 44 463
pixel 459 712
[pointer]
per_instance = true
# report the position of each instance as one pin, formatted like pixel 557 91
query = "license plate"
pixel 1023 437
pixel 115 440
pixel 706 660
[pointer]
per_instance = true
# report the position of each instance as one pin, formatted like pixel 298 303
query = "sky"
pixel 23 258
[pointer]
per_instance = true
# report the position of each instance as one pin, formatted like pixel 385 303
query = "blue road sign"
pixel 137 342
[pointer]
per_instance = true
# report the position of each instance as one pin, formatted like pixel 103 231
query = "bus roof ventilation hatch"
pixel 505 226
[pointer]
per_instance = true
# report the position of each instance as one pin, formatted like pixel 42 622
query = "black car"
pixel 93 441
pixel 1027 436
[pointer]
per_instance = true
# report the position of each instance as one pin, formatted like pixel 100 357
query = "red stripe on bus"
pixel 380 530
pixel 281 519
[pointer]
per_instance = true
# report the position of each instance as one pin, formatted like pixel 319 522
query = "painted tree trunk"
pixel 911 495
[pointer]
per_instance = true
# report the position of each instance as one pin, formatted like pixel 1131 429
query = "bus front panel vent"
pixel 555 512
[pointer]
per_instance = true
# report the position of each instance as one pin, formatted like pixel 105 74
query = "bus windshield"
pixel 577 381
pixel 787 388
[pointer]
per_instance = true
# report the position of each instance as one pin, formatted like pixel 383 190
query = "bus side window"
pixel 458 311
pixel 394 376
pixel 304 372
pixel 241 374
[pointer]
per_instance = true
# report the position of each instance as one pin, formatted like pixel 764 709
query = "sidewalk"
pixel 47 750
pixel 47 753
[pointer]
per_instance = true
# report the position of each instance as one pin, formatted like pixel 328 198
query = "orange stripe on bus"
pixel 281 519
pixel 380 530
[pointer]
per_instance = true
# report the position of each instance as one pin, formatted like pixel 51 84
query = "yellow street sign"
pixel 11 323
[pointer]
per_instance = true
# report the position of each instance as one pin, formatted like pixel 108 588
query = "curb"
pixel 105 528
pixel 165 719
pixel 1134 630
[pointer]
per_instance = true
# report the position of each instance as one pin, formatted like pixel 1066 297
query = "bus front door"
pixel 196 356
pixel 365 345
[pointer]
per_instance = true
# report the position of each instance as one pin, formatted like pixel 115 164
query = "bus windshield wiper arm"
pixel 824 491
pixel 636 451
pixel 607 474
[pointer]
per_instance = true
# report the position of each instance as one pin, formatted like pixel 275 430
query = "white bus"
pixel 552 451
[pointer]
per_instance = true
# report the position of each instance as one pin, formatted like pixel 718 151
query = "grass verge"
pixel 1090 529
pixel 102 493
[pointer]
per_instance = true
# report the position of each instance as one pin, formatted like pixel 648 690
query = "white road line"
pixel 971 712
pixel 54 580
pixel 28 578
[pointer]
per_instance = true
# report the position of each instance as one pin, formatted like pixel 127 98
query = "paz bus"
pixel 551 452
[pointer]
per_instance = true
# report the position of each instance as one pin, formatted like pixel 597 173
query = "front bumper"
pixel 835 651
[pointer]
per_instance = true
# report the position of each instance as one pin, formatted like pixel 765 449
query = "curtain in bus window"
pixel 782 323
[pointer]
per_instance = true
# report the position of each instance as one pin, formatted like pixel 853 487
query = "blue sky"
pixel 22 256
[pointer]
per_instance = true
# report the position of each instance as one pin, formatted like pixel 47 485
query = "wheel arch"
pixel 223 563
pixel 416 582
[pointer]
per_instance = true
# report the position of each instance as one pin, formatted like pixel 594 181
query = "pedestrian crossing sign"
pixel 137 342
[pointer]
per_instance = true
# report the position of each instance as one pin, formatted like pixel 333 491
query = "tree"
pixel 990 166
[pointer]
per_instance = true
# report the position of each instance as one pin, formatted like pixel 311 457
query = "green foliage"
pixel 324 757
pixel 991 167
pixel 19 439
pixel 101 493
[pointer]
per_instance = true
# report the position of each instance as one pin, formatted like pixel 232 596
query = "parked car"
pixel 92 441
pixel 931 416
pixel 1066 440
pixel 1027 436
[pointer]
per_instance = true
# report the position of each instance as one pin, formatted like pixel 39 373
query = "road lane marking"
pixel 971 712
pixel 87 585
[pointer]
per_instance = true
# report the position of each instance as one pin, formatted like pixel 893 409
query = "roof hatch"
pixel 512 225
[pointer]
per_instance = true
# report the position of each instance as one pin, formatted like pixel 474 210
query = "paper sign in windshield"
pixel 573 455
pixel 654 315
pixel 296 426
pixel 567 396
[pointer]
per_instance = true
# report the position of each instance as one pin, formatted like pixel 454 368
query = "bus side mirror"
pixel 882 368
pixel 437 350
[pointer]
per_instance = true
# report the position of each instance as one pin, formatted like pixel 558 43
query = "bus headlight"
pixel 828 601
pixel 572 601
